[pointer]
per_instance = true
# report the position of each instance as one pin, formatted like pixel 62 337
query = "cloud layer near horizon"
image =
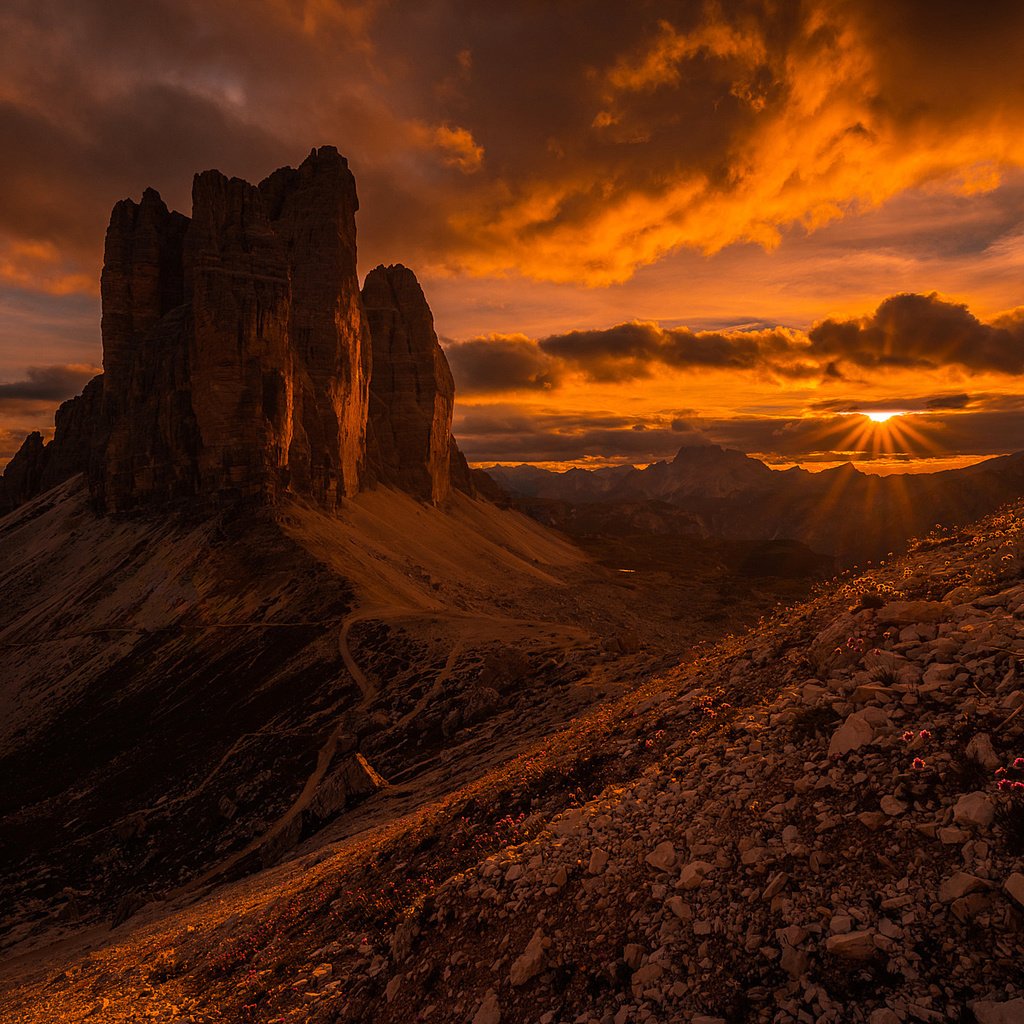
pixel 905 332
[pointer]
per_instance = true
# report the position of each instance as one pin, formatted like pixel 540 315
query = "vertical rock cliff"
pixel 238 354
pixel 411 391
pixel 312 211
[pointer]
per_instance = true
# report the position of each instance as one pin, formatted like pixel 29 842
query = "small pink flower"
pixel 918 764
pixel 907 736
pixel 1003 784
pixel 1018 763
pixel 925 734
pixel 1000 771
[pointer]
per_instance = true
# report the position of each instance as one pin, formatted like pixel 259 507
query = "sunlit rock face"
pixel 236 353
pixel 411 393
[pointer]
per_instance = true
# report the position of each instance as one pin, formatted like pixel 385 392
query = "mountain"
pixel 840 512
pixel 817 819
pixel 252 583
pixel 241 360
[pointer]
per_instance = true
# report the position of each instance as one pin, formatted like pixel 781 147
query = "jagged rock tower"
pixel 412 393
pixel 241 361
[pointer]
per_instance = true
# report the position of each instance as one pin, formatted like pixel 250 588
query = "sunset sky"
pixel 638 224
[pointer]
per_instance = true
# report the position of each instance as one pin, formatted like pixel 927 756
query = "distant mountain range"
pixel 839 512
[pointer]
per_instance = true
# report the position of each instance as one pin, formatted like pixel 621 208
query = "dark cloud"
pixel 47 384
pixel 632 350
pixel 917 332
pixel 922 332
pixel 565 143
pixel 501 363
pixel 509 434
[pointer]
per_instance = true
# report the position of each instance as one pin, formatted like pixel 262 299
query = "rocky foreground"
pixel 822 820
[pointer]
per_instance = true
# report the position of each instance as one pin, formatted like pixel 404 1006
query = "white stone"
pixel 892 806
pixel 489 1011
pixel 678 906
pixel 662 857
pixel 693 873
pixel 980 749
pixel 853 734
pixel 960 884
pixel 531 962
pixel 987 1012
pixel 853 945
pixel 909 613
pixel 1014 885
pixel 976 810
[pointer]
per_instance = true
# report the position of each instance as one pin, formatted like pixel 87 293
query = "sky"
pixel 642 225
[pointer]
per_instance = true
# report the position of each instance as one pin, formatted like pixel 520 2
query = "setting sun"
pixel 882 416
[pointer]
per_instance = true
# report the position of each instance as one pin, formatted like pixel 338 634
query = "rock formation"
pixel 411 392
pixel 237 358
pixel 236 354
pixel 36 467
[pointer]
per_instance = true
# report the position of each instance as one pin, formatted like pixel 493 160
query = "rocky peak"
pixel 237 357
pixel 249 378
pixel 142 277
pixel 411 392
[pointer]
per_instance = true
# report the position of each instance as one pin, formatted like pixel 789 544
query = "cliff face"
pixel 238 356
pixel 235 350
pixel 412 392
pixel 36 467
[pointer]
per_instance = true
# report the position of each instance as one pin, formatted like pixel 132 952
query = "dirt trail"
pixel 509 627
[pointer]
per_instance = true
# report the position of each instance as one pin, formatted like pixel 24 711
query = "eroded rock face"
pixel 24 473
pixel 312 211
pixel 36 467
pixel 236 354
pixel 411 391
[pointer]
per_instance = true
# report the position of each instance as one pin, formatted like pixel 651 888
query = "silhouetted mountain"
pixel 840 512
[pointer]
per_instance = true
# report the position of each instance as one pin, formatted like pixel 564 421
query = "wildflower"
pixel 907 736
pixel 925 734
pixel 918 764
pixel 1018 763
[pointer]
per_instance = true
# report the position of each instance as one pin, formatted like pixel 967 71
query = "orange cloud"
pixel 458 148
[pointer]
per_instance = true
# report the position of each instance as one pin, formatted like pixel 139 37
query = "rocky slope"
pixel 843 513
pixel 820 820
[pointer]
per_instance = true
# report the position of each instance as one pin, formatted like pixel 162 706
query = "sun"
pixel 882 415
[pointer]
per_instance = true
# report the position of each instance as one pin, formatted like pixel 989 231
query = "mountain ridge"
pixel 839 512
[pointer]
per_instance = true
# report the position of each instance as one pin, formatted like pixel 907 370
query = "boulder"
pixel 852 945
pixel 988 1011
pixel 531 962
pixel 975 810
pixel 351 781
pixel 853 734
pixel 908 613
